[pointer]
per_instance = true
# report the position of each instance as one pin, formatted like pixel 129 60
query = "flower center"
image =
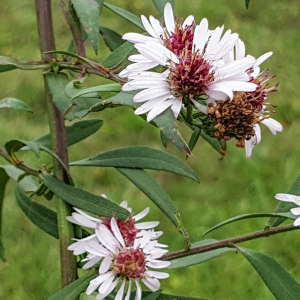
pixel 127 229
pixel 181 38
pixel 130 263
pixel 190 76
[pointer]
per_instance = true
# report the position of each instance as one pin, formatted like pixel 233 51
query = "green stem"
pixel 59 146
pixel 229 242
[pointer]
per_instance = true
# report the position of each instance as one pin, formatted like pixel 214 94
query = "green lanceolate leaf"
pixel 194 138
pixel 15 145
pixel 164 139
pixel 160 5
pixel 88 14
pixel 281 284
pixel 282 207
pixel 247 2
pixel 75 133
pixel 27 183
pixel 138 158
pixel 126 15
pixel 152 296
pixel 153 191
pixel 14 104
pixel 73 290
pixel 212 141
pixel 287 215
pixel 3 181
pixel 82 199
pixel 111 87
pixel 118 59
pixel 111 38
pixel 57 84
pixel 166 296
pixel 41 216
pixel 167 124
pixel 199 257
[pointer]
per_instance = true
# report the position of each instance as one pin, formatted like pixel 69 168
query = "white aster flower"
pixel 127 265
pixel 192 58
pixel 291 198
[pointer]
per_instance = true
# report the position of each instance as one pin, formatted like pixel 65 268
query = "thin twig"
pixel 229 242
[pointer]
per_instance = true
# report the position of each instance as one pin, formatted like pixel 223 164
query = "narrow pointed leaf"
pixel 194 138
pixel 41 216
pixel 139 158
pixel 166 296
pixel 283 207
pixel 163 139
pixel 287 215
pixel 212 141
pixel 88 14
pixel 280 283
pixel 152 296
pixel 57 84
pixel 27 183
pixel 160 5
pixel 154 192
pixel 3 181
pixel 247 2
pixel 15 145
pixel 75 133
pixel 126 15
pixel 199 257
pixel 111 87
pixel 14 104
pixel 112 39
pixel 74 289
pixel 82 199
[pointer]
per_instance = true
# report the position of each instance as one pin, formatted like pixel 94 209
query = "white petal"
pixel 138 294
pixel 288 198
pixel 84 221
pixel 188 21
pixel 109 290
pixel 169 18
pixel 297 222
pixel 239 86
pixel 146 225
pixel 157 110
pixel 238 77
pixel 262 58
pixel 151 93
pixel 257 134
pixel 158 264
pixel 142 214
pixel 213 41
pixel 72 220
pixel 141 66
pixel 86 215
pixel 124 73
pixel 115 229
pixel 148 27
pixel 159 275
pixel 96 249
pixel 240 50
pixel 128 291
pixel 142 84
pixel 272 125
pixel 200 35
pixel 216 95
pixel 249 147
pixel 152 54
pixel 151 104
pixel 229 57
pixel 176 107
pixel 91 262
pixel 199 106
pixel 156 26
pixel 119 295
pixel 295 211
pixel 225 44
pixel 167 54
pixel 221 88
pixel 124 204
pixel 106 284
pixel 147 75
pixel 138 58
pixel 97 281
pixel 106 262
pixel 151 283
pixel 133 37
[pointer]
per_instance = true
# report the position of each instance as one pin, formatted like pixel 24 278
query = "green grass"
pixel 228 187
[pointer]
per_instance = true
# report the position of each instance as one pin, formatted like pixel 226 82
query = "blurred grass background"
pixel 228 187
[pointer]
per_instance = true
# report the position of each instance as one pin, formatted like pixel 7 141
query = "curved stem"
pixel 229 242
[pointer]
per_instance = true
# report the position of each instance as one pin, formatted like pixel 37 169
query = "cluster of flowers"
pixel 200 62
pixel 125 250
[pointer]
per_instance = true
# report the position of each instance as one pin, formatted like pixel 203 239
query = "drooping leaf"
pixel 15 145
pixel 283 207
pixel 280 283
pixel 138 158
pixel 82 199
pixel 160 5
pixel 166 296
pixel 247 2
pixel 287 215
pixel 41 216
pixel 57 84
pixel 3 181
pixel 117 60
pixel 212 141
pixel 199 257
pixel 14 104
pixel 111 87
pixel 75 133
pixel 27 183
pixel 126 15
pixel 194 138
pixel 73 290
pixel 112 39
pixel 154 192
pixel 88 14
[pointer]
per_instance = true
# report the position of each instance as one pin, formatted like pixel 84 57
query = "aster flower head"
pixel 125 264
pixel 294 199
pixel 192 58
pixel 239 118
